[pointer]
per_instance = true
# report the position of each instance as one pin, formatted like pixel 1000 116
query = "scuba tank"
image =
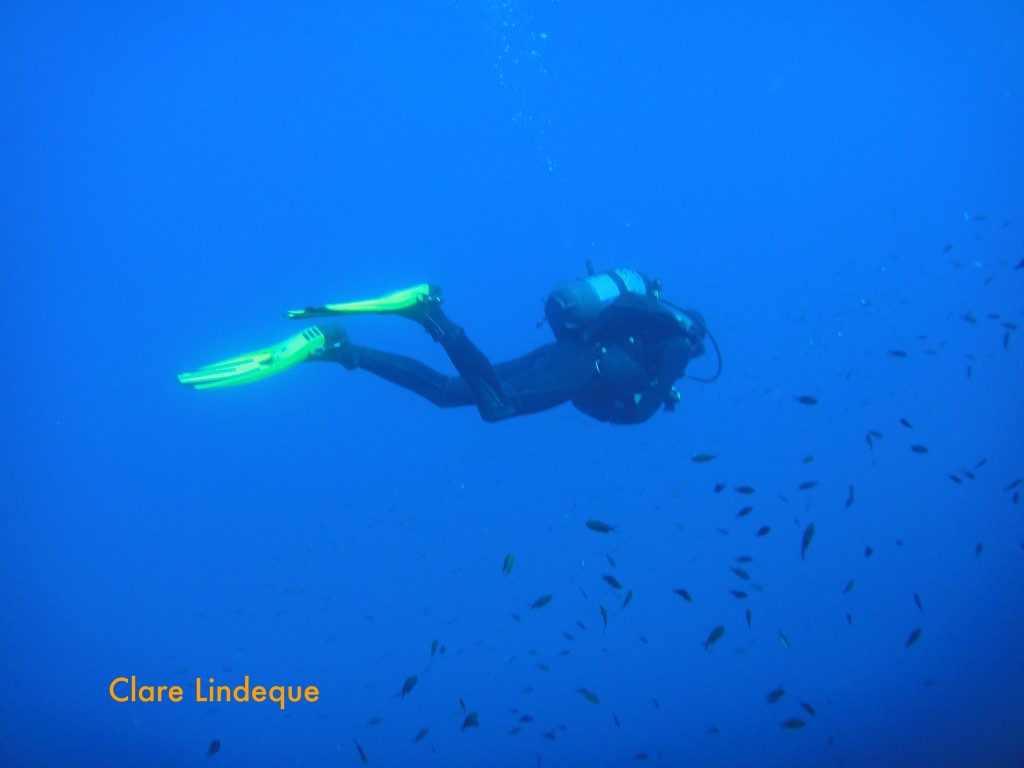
pixel 572 307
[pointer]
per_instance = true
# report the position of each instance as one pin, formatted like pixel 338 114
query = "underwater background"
pixel 838 187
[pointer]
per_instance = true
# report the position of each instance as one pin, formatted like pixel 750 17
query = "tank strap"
pixel 619 282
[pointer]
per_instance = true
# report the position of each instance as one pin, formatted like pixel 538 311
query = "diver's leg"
pixel 542 379
pixel 547 377
pixel 493 402
pixel 444 391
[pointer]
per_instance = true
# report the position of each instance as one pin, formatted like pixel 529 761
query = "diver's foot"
pixel 427 313
pixel 337 348
pixel 426 302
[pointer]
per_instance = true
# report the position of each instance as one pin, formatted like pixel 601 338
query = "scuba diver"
pixel 619 349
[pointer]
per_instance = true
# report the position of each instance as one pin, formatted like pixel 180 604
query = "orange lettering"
pixel 114 682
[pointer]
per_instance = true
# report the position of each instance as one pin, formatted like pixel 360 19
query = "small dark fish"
pixel 526 719
pixel 744 489
pixel 750 618
pixel 849 619
pixel 906 423
pixel 978 549
pixel 506 566
pixel 849 497
pixel 611 560
pixel 737 594
pixel 919 448
pixel 914 637
pixel 806 542
pixel 375 720
pixel 612 581
pixel 616 719
pixel 868 551
pixel 408 685
pixel 1014 484
pixel 629 596
pixel 897 353
pixel 764 530
pixel 599 527
pixel 848 588
pixel 213 748
pixel 783 639
pixel 702 458
pixel 806 400
pixel 421 734
pixel 433 649
pixel 719 487
pixel 807 459
pixel 917 602
pixel 808 709
pixel 744 512
pixel 362 755
pixel 640 756
pixel 713 637
pixel 870 441
pixel 806 485
pixel 956 479
pixel 772 696
pixel 683 594
pixel 793 724
pixel 947 248
pixel 588 695
pixel 743 559
pixel 540 602
pixel 741 573
pixel 472 720
pixel 656 703
pixel 604 616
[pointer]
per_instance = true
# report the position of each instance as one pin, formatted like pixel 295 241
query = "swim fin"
pixel 253 366
pixel 392 303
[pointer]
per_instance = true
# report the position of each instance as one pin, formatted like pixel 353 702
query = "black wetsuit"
pixel 620 371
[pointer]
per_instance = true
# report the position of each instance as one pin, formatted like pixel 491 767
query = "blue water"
pixel 827 183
